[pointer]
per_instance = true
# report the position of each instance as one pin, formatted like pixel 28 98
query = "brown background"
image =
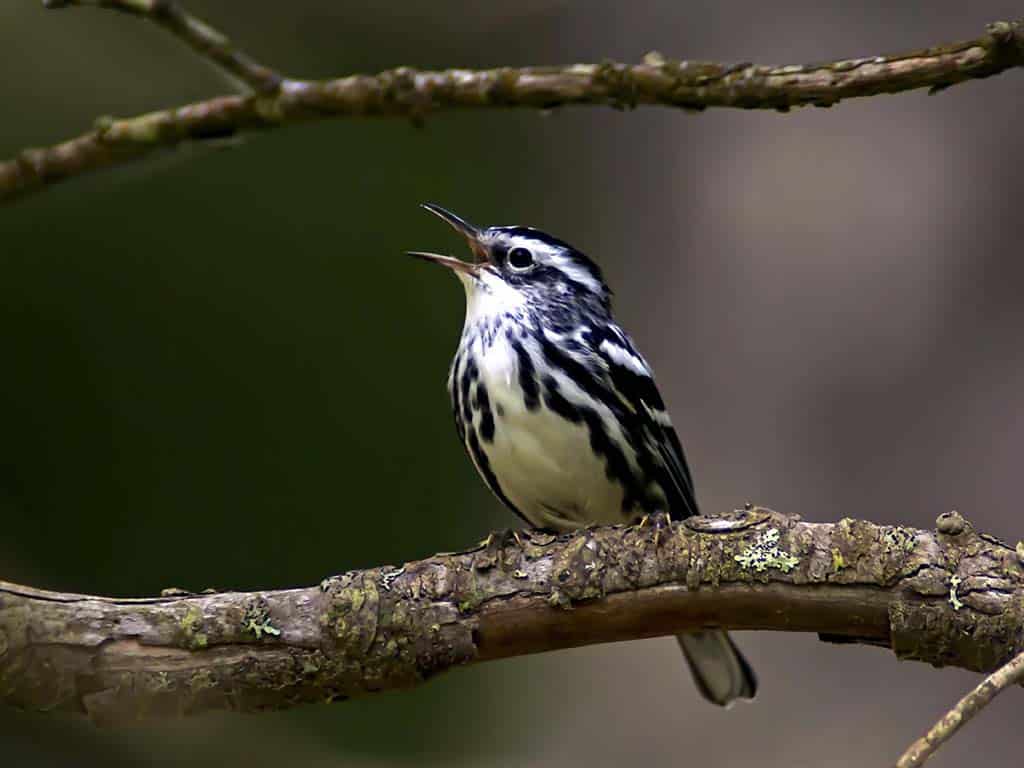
pixel 219 370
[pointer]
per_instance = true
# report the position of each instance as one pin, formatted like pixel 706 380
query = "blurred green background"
pixel 218 369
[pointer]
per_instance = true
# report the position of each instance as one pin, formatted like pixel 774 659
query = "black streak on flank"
pixel 484 467
pixel 527 376
pixel 556 401
pixel 483 404
pixel 454 395
pixel 580 374
pixel 469 375
pixel 617 468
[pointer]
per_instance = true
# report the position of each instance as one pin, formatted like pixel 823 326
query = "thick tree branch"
pixel 947 597
pixel 920 751
pixel 413 94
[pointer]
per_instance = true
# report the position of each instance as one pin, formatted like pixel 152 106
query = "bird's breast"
pixel 543 462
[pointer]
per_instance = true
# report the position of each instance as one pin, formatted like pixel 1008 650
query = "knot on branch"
pixel 951 523
pixel 926 631
pixel 380 630
pixel 400 92
pixel 1006 39
pixel 502 88
pixel 618 83
pixel 727 522
pixel 979 577
pixel 577 572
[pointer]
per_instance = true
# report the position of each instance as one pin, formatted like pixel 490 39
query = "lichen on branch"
pixel 118 660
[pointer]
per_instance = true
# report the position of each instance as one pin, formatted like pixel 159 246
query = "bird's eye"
pixel 520 258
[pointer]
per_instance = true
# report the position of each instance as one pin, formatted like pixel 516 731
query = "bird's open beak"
pixel 448 261
pixel 468 231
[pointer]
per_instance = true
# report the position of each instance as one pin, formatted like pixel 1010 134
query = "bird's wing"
pixel 633 381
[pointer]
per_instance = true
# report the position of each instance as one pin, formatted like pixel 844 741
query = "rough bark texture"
pixel 949 597
pixel 413 94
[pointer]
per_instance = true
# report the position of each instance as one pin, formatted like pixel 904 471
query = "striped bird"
pixel 559 412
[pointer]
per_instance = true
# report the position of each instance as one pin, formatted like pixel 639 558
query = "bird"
pixel 559 412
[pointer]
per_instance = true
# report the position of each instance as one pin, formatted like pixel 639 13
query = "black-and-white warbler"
pixel 559 412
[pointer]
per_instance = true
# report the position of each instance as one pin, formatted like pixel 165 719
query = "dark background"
pixel 218 369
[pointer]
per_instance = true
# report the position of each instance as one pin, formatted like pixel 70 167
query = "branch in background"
pixel 201 37
pixel 413 94
pixel 950 597
pixel 920 751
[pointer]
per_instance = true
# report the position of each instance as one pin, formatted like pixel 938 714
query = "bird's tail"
pixel 718 667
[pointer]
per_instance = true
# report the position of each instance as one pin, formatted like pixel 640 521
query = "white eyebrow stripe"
pixel 554 256
pixel 532 244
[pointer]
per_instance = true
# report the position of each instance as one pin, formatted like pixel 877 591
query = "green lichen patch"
pixel 191 625
pixel 838 561
pixel 352 610
pixel 471 590
pixel 954 599
pixel 257 621
pixel 765 553
pixel 855 534
pixel 899 540
pixel 896 558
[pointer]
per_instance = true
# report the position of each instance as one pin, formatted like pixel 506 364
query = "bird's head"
pixel 521 267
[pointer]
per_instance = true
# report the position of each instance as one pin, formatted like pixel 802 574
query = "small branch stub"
pixel 950 523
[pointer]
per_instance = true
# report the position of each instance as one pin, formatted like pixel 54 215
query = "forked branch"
pixel 201 37
pixel 414 94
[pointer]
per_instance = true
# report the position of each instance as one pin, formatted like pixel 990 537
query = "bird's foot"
pixel 659 521
pixel 492 548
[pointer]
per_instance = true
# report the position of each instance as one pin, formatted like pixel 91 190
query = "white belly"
pixel 542 461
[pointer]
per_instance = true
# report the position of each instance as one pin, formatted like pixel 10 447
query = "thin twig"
pixel 970 705
pixel 413 94
pixel 198 35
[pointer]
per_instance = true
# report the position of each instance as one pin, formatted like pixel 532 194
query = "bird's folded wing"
pixel 634 383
